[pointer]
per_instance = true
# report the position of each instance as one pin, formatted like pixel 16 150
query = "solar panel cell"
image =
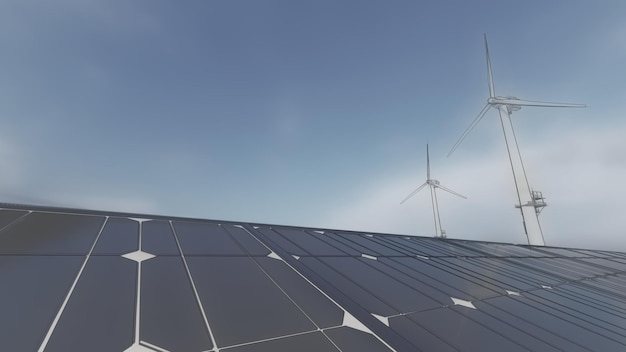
pixel 119 236
pixel 31 291
pixel 157 238
pixel 423 339
pixel 8 216
pixel 100 314
pixel 314 243
pixel 349 286
pixel 160 283
pixel 51 234
pixel 242 303
pixel 446 282
pixel 556 323
pixel 319 308
pixel 250 245
pixel 463 333
pixel 205 238
pixel 170 316
pixel 310 342
pixel 353 340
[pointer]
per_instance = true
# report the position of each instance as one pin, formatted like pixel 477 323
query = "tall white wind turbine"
pixel 433 185
pixel 530 202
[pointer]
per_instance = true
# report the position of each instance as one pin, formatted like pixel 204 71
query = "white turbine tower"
pixel 530 202
pixel 433 184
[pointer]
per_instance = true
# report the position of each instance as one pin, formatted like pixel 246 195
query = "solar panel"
pixel 75 280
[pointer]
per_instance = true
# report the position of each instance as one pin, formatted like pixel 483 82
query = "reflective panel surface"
pixel 77 280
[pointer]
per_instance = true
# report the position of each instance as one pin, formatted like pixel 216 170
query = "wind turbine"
pixel 530 202
pixel 433 185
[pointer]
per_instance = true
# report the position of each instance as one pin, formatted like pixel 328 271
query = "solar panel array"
pixel 75 280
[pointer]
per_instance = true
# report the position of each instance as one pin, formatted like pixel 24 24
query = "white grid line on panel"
pixel 46 339
pixel 320 290
pixel 16 220
pixel 195 291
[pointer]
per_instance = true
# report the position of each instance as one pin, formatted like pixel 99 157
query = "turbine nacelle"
pixel 530 202
pixel 433 185
pixel 511 103
pixel 433 182
pixel 502 100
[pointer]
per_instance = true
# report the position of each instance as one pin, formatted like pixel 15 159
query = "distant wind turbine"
pixel 530 202
pixel 433 184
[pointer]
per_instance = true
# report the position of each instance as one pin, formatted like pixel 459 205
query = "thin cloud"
pixel 584 191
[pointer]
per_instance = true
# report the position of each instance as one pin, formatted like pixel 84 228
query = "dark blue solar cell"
pixel 466 334
pixel 501 249
pixel 349 287
pixel 205 238
pixel 170 315
pixel 445 281
pixel 608 287
pixel 335 241
pixel 422 339
pixel 313 242
pixel 603 321
pixel 8 216
pixel 556 324
pixel 275 239
pixel 617 281
pixel 311 342
pixel 351 242
pixel 608 264
pixel 512 332
pixel 518 272
pixel 590 253
pixel 157 238
pixel 258 297
pixel 560 252
pixel 242 303
pixel 51 234
pixel 437 248
pixel 32 290
pixel 423 284
pixel 494 276
pixel 369 244
pixel 394 244
pixel 348 339
pixel 100 316
pixel 527 327
pixel 426 247
pixel 251 245
pixel 594 296
pixel 314 303
pixel 119 236
pixel 410 246
pixel 563 268
pixel 586 268
pixel 386 285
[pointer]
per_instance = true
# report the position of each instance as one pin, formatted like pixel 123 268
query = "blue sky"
pixel 316 113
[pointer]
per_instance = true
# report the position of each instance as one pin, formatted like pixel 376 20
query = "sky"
pixel 317 113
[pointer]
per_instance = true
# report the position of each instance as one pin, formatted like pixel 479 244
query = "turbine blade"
pixel 427 163
pixel 451 191
pixel 414 192
pixel 545 104
pixel 469 128
pixel 492 90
